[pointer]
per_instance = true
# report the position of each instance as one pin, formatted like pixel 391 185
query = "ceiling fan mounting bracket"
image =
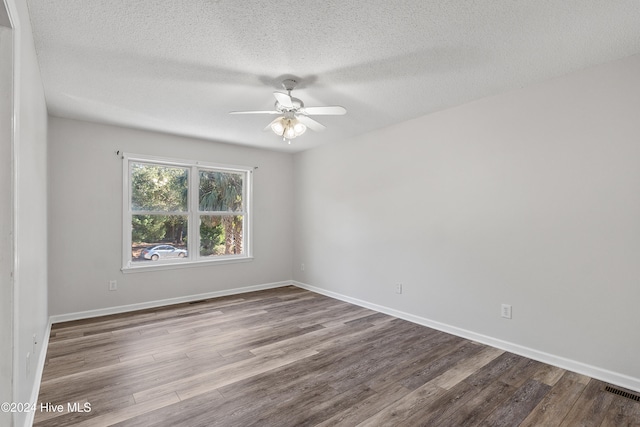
pixel 289 84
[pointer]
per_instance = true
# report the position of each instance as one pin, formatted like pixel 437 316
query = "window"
pixel 180 212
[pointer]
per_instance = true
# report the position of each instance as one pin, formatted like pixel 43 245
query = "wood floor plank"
pixel 493 370
pixel 521 372
pixel 622 412
pixel 289 357
pixel 590 407
pixel 360 411
pixel 438 367
pixel 553 408
pixel 308 408
pixel 433 411
pixel 122 414
pixel 313 338
pixel 212 380
pixel 549 375
pixel 466 367
pixel 515 409
pixel 436 346
pixel 474 410
pixel 413 402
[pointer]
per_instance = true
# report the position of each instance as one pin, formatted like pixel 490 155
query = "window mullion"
pixel 246 208
pixel 194 217
pixel 179 213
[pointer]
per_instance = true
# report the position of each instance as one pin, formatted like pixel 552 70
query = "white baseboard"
pixel 601 374
pixel 159 303
pixel 38 375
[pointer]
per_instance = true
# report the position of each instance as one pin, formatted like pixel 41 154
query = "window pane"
pixel 221 191
pixel 221 235
pixel 158 188
pixel 158 237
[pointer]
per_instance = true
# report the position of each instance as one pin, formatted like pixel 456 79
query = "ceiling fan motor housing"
pixel 297 105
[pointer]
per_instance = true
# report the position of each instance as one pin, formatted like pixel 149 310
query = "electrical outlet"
pixel 301 267
pixel 113 285
pixel 506 311
pixel 398 288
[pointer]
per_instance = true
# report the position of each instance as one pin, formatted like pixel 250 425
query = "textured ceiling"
pixel 180 66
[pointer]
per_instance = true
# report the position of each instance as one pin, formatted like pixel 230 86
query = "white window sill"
pixel 143 266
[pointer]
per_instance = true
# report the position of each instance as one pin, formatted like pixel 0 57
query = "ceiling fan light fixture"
pixel 299 128
pixel 278 127
pixel 290 132
pixel 288 128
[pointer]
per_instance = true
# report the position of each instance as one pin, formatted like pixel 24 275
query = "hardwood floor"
pixel 290 357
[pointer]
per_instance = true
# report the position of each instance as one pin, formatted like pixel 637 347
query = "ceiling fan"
pixel 294 116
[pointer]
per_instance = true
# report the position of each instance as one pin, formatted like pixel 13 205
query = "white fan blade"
pixel 332 110
pixel 254 112
pixel 310 123
pixel 283 99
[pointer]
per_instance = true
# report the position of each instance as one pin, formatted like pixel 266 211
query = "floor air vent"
pixel 622 393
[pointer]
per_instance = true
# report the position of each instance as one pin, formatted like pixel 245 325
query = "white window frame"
pixel 193 214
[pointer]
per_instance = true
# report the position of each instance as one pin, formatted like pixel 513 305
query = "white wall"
pixel 530 198
pixel 6 218
pixel 85 220
pixel 29 305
